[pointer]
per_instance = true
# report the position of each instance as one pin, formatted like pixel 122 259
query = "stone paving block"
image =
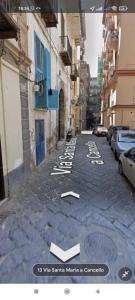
pixel 6 266
pixel 6 247
pixel 123 229
pixel 69 227
pixel 19 237
pixel 30 250
pixel 132 227
pixel 100 220
pixel 82 214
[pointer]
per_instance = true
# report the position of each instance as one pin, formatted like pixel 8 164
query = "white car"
pixel 127 165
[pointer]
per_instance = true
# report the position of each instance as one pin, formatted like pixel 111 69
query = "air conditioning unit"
pixel 39 87
pixel 36 88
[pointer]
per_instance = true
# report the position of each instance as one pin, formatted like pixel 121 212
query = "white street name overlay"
pixel 66 160
pixel 94 155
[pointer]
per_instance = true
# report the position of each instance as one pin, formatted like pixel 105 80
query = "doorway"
pixel 61 118
pixel 40 141
pixel 2 188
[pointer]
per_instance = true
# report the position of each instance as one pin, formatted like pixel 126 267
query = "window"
pixel 39 54
pixel 62 29
pixel 40 97
pixel 127 138
pixel 131 155
pixel 44 99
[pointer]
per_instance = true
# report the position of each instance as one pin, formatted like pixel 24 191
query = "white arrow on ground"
pixel 65 255
pixel 70 194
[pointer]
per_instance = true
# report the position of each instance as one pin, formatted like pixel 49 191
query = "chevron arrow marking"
pixel 65 255
pixel 70 194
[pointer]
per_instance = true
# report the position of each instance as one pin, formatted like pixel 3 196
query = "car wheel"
pixel 120 168
pixel 116 156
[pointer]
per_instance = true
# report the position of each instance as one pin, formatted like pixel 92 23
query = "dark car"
pixel 113 129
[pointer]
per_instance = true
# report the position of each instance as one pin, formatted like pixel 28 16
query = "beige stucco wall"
pixel 125 117
pixel 125 90
pixel 106 119
pixel 10 117
pixel 126 58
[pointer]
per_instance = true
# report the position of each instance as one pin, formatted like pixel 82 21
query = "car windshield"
pixel 127 138
pixel 122 128
pixel 102 128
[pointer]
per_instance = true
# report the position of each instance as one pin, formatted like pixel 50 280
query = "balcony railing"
pixel 110 23
pixel 104 73
pixel 112 40
pixel 103 54
pixel 50 14
pixel 113 98
pixel 66 51
pixel 109 56
pixel 106 65
pixel 74 72
pixel 111 72
pixel 8 26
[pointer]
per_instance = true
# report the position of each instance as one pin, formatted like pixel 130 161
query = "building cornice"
pixel 123 106
pixel 125 72
pixel 14 50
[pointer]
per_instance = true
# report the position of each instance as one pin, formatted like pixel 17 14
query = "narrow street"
pixel 102 220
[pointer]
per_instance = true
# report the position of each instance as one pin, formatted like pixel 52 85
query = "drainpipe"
pixel 4 127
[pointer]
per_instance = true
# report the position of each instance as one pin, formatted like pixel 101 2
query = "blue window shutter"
pixel 40 98
pixel 48 68
pixel 49 71
pixel 53 101
pixel 46 77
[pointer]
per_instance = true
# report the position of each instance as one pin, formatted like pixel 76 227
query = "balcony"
pixel 104 73
pixel 74 73
pixel 112 40
pixel 104 33
pixel 50 15
pixel 109 56
pixel 106 65
pixel 8 26
pixel 110 24
pixel 113 98
pixel 66 51
pixel 111 72
pixel 103 54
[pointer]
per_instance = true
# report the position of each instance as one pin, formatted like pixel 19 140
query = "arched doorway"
pixel 61 118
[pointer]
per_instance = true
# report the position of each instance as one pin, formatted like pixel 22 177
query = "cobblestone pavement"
pixel 102 220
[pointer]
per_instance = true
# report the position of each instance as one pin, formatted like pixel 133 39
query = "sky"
pixel 94 41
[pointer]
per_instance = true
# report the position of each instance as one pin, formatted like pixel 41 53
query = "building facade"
pixel 38 80
pixel 59 47
pixel 93 103
pixel 118 84
pixel 14 111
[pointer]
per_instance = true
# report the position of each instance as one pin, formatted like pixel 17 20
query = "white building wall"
pixel 10 117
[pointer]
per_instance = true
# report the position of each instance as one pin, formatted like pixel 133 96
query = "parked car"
pixel 122 141
pixel 127 165
pixel 100 130
pixel 113 129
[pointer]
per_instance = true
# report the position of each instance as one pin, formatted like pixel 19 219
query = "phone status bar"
pixel 49 6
